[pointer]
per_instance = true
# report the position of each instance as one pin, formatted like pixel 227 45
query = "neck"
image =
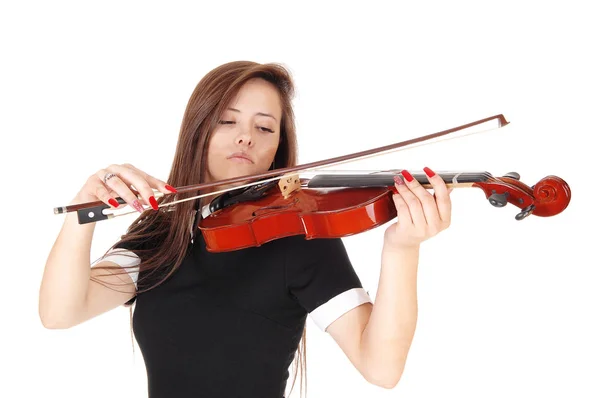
pixel 452 179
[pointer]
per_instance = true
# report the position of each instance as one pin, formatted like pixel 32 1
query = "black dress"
pixel 228 324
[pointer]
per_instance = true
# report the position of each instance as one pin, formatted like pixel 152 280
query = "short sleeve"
pixel 126 259
pixel 123 254
pixel 320 276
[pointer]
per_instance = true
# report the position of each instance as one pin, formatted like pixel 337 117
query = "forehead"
pixel 257 95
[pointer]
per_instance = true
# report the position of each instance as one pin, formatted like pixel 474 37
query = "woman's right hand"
pixel 125 176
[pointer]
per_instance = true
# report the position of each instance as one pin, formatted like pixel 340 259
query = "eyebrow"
pixel 257 113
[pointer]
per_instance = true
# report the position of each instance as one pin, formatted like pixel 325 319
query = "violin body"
pixel 313 212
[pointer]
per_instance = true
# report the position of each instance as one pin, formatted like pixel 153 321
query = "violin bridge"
pixel 289 184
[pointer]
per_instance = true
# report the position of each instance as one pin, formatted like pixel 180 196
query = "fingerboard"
pixel 387 179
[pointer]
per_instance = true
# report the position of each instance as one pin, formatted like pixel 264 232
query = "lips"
pixel 240 156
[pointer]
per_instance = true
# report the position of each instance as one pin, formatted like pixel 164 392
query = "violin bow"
pixel 93 211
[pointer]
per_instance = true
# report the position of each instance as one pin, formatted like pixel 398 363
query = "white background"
pixel 507 308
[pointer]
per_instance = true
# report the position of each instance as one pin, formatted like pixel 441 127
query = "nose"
pixel 244 136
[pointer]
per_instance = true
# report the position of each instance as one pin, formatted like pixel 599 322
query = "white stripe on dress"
pixel 124 258
pixel 327 313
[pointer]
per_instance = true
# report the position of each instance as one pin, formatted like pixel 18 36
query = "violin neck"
pixel 455 179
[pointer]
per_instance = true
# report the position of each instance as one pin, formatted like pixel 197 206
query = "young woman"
pixel 229 324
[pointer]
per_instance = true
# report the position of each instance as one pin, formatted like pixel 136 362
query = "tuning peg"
pixel 525 212
pixel 498 199
pixel 513 175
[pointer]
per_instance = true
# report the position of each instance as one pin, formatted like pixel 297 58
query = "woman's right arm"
pixel 67 296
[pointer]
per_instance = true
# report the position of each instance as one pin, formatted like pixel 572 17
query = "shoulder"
pixel 144 237
pixel 133 248
pixel 324 255
pixel 319 265
pixel 321 278
pixel 301 250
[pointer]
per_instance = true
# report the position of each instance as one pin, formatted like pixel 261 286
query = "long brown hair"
pixel 170 230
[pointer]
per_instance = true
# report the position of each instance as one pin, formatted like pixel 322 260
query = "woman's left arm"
pixel 377 338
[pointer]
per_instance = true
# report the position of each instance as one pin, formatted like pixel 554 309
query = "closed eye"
pixel 260 127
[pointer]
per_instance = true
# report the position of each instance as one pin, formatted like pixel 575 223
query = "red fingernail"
pixel 170 188
pixel 113 203
pixel 407 176
pixel 429 172
pixel 153 202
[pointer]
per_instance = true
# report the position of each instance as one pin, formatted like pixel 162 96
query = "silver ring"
pixel 108 176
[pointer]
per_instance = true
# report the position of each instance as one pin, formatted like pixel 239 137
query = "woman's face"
pixel 247 136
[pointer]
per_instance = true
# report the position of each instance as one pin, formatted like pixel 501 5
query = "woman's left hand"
pixel 421 215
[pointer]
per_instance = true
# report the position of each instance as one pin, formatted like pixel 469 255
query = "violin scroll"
pixel 552 196
pixel 549 197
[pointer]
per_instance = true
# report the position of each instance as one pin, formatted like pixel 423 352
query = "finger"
pixel 442 195
pixel 120 187
pixel 412 201
pixel 113 195
pixel 102 192
pixel 402 210
pixel 423 198
pixel 133 177
pixel 157 183
pixel 449 191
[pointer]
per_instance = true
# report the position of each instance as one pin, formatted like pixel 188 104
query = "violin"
pixel 279 203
